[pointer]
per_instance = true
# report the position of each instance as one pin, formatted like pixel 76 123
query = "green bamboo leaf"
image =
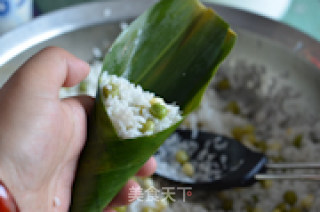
pixel 173 50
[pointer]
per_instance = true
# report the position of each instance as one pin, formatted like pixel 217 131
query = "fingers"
pixel 148 169
pixel 47 71
pixel 125 197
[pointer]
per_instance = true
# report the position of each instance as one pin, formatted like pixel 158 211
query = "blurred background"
pixel 303 15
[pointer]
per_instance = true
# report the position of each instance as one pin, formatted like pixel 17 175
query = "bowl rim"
pixel 89 14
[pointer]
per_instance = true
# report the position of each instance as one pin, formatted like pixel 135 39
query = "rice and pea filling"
pixel 133 111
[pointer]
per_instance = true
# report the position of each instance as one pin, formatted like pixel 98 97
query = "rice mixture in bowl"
pixel 254 112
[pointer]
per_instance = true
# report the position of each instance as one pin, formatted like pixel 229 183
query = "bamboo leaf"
pixel 173 50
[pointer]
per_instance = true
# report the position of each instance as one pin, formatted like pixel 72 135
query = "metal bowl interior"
pixel 281 49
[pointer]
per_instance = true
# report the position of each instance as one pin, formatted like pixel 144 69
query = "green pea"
pixel 114 91
pixel 249 208
pixel 252 139
pixel 278 159
pixel 255 198
pixel 83 87
pixel 233 107
pixel 290 197
pixel 282 207
pixel 227 204
pixel 148 209
pixel 307 201
pixel 148 126
pixel 162 204
pixel 105 92
pixel 188 169
pixel 297 141
pixel 266 184
pixel 262 145
pixel 295 209
pixel 147 182
pixel 240 132
pixel 120 209
pixel 158 110
pixel 223 84
pixel 257 210
pixel 248 129
pixel 182 156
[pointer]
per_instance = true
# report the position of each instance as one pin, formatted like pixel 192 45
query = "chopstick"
pixel 312 177
pixel 307 165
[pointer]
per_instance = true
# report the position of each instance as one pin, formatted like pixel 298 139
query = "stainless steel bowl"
pixel 81 28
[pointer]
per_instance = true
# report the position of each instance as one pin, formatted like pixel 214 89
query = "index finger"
pixel 47 71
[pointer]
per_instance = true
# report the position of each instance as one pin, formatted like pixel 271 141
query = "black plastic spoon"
pixel 219 162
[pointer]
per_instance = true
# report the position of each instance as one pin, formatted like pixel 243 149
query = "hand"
pixel 42 136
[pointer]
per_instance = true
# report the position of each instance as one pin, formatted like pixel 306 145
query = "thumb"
pixel 77 109
pixel 85 102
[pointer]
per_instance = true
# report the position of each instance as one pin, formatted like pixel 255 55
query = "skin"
pixel 42 136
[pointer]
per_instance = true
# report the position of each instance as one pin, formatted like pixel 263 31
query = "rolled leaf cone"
pixel 173 49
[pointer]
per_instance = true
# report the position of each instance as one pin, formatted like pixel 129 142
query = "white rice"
pixel 130 109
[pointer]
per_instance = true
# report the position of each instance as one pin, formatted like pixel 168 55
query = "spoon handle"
pixel 306 165
pixel 312 177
